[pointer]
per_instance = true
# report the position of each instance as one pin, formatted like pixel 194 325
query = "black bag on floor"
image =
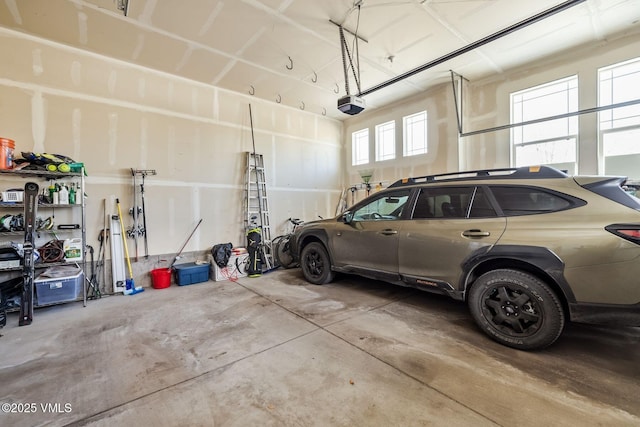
pixel 254 238
pixel 10 291
pixel 221 254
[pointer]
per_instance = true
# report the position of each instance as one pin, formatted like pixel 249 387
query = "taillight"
pixel 630 232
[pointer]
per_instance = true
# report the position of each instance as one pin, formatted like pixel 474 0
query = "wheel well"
pixel 515 264
pixel 310 239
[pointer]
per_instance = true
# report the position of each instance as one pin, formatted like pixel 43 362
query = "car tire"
pixel 516 309
pixel 315 263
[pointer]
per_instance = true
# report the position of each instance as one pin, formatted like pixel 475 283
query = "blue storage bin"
pixel 190 273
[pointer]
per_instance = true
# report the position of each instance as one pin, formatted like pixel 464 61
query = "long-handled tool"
pixel 103 241
pixel 93 288
pixel 99 274
pixel 184 245
pixel 130 288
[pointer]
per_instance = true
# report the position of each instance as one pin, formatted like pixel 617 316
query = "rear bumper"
pixel 606 314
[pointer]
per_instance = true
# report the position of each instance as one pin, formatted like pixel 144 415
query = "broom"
pixel 130 288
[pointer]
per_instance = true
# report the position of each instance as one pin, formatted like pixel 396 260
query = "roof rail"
pixel 524 172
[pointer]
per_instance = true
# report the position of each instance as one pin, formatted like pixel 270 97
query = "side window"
pixel 443 202
pixel 388 206
pixel 529 200
pixel 360 147
pixel 481 207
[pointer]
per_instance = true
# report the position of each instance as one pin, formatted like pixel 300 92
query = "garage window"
pixel 551 142
pixel 415 134
pixel 620 127
pixel 386 141
pixel 360 147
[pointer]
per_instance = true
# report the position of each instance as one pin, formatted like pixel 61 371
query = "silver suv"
pixel 528 249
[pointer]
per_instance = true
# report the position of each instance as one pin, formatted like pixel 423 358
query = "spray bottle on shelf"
pixel 72 194
pixel 56 194
pixel 79 194
pixel 52 190
pixel 63 196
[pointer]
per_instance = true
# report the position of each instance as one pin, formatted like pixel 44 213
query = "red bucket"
pixel 161 278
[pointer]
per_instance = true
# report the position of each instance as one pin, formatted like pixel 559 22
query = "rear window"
pixel 521 200
pixel 618 190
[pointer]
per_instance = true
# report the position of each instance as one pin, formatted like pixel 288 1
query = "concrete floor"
pixel 277 351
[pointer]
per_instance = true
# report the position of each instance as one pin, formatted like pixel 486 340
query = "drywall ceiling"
pixel 289 51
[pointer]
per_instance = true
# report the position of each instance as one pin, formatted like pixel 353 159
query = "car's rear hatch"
pixel 612 188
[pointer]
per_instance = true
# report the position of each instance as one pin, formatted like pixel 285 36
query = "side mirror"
pixel 346 217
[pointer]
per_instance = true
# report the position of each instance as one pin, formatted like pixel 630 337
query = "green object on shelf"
pixel 77 168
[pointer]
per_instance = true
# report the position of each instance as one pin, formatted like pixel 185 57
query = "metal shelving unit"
pixel 13 176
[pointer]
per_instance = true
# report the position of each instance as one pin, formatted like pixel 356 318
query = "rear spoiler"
pixel 610 188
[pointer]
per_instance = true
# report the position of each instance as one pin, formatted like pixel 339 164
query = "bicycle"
pixel 282 246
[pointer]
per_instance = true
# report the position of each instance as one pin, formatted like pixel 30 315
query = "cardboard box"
pixel 190 273
pixel 58 285
pixel 236 267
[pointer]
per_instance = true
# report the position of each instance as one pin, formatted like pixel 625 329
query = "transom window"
pixel 360 147
pixel 550 142
pixel 415 134
pixel 386 141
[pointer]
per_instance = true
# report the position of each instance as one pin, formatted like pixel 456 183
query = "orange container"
pixel 161 278
pixel 6 153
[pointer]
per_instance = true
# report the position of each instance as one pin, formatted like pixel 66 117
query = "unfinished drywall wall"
pixel 487 104
pixel 114 116
pixel 442 152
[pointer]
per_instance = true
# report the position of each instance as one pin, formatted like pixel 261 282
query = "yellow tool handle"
pixel 124 239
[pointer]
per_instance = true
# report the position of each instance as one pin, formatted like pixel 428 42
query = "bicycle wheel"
pixel 283 252
pixel 274 246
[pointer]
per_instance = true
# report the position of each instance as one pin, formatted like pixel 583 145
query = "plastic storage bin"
pixel 53 290
pixel 190 273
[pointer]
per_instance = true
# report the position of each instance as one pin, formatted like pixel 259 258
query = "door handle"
pixel 388 232
pixel 476 233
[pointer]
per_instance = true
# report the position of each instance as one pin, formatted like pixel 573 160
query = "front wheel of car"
pixel 315 264
pixel 516 309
